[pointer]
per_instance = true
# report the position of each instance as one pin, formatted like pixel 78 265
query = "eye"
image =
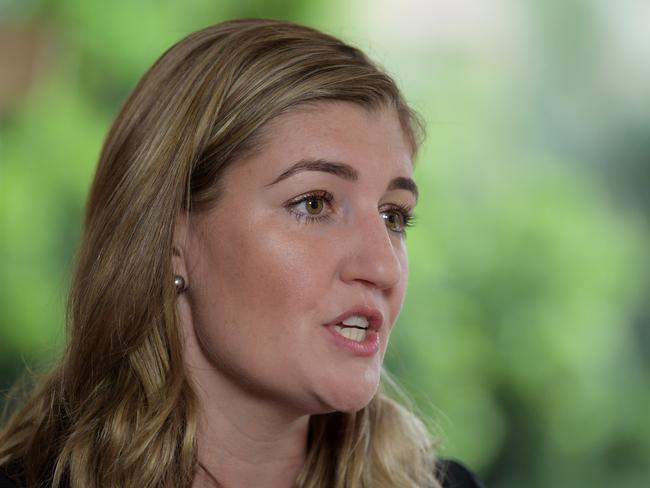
pixel 314 205
pixel 311 206
pixel 397 218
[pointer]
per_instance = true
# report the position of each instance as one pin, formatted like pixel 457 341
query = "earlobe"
pixel 179 253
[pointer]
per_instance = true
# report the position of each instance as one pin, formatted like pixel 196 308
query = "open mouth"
pixel 357 330
pixel 354 328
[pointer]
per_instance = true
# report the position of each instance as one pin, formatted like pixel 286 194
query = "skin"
pixel 262 284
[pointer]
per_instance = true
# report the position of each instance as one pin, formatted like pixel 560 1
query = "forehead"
pixel 373 141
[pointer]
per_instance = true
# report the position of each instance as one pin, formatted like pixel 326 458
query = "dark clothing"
pixel 6 482
pixel 451 473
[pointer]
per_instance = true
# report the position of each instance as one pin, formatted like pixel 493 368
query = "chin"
pixel 350 393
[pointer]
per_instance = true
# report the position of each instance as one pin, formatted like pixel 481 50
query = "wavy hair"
pixel 119 408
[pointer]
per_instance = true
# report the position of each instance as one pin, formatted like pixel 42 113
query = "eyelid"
pixel 406 211
pixel 324 195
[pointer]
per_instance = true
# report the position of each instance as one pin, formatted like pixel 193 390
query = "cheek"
pixel 266 279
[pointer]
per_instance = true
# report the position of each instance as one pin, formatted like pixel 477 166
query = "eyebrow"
pixel 402 183
pixel 344 171
pixel 339 169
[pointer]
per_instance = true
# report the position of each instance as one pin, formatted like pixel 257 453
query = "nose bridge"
pixel 372 257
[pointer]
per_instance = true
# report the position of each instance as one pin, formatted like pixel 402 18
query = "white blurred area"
pixel 486 26
pixel 625 61
pixel 510 32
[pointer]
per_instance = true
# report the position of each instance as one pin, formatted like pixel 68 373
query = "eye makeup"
pixel 318 195
pixel 396 216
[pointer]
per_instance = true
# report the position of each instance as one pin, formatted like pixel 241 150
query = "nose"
pixel 372 255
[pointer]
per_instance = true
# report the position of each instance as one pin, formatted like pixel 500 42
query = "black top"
pixel 451 473
pixel 6 482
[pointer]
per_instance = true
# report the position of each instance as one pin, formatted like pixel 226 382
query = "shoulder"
pixel 453 474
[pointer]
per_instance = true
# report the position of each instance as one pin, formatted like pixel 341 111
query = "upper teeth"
pixel 356 321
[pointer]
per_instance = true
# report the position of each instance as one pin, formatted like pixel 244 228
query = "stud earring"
pixel 179 283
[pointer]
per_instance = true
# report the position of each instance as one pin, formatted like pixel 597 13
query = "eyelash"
pixel 405 211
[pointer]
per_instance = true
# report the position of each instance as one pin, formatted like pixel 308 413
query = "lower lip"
pixel 367 347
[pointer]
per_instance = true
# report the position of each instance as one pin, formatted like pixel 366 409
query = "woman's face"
pixel 308 233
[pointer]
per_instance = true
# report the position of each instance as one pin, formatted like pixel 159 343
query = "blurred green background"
pixel 525 336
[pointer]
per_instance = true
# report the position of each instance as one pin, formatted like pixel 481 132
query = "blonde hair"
pixel 119 410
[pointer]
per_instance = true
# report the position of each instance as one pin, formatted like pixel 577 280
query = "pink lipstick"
pixel 357 330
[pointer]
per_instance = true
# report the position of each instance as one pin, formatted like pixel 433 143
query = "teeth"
pixel 356 321
pixel 351 333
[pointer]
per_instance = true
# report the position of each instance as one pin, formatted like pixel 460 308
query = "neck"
pixel 244 446
pixel 243 438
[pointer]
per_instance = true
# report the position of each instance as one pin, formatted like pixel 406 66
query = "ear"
pixel 180 245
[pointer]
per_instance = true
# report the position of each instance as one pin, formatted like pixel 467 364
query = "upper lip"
pixel 374 316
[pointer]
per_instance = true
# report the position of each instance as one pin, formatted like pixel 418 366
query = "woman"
pixel 242 264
